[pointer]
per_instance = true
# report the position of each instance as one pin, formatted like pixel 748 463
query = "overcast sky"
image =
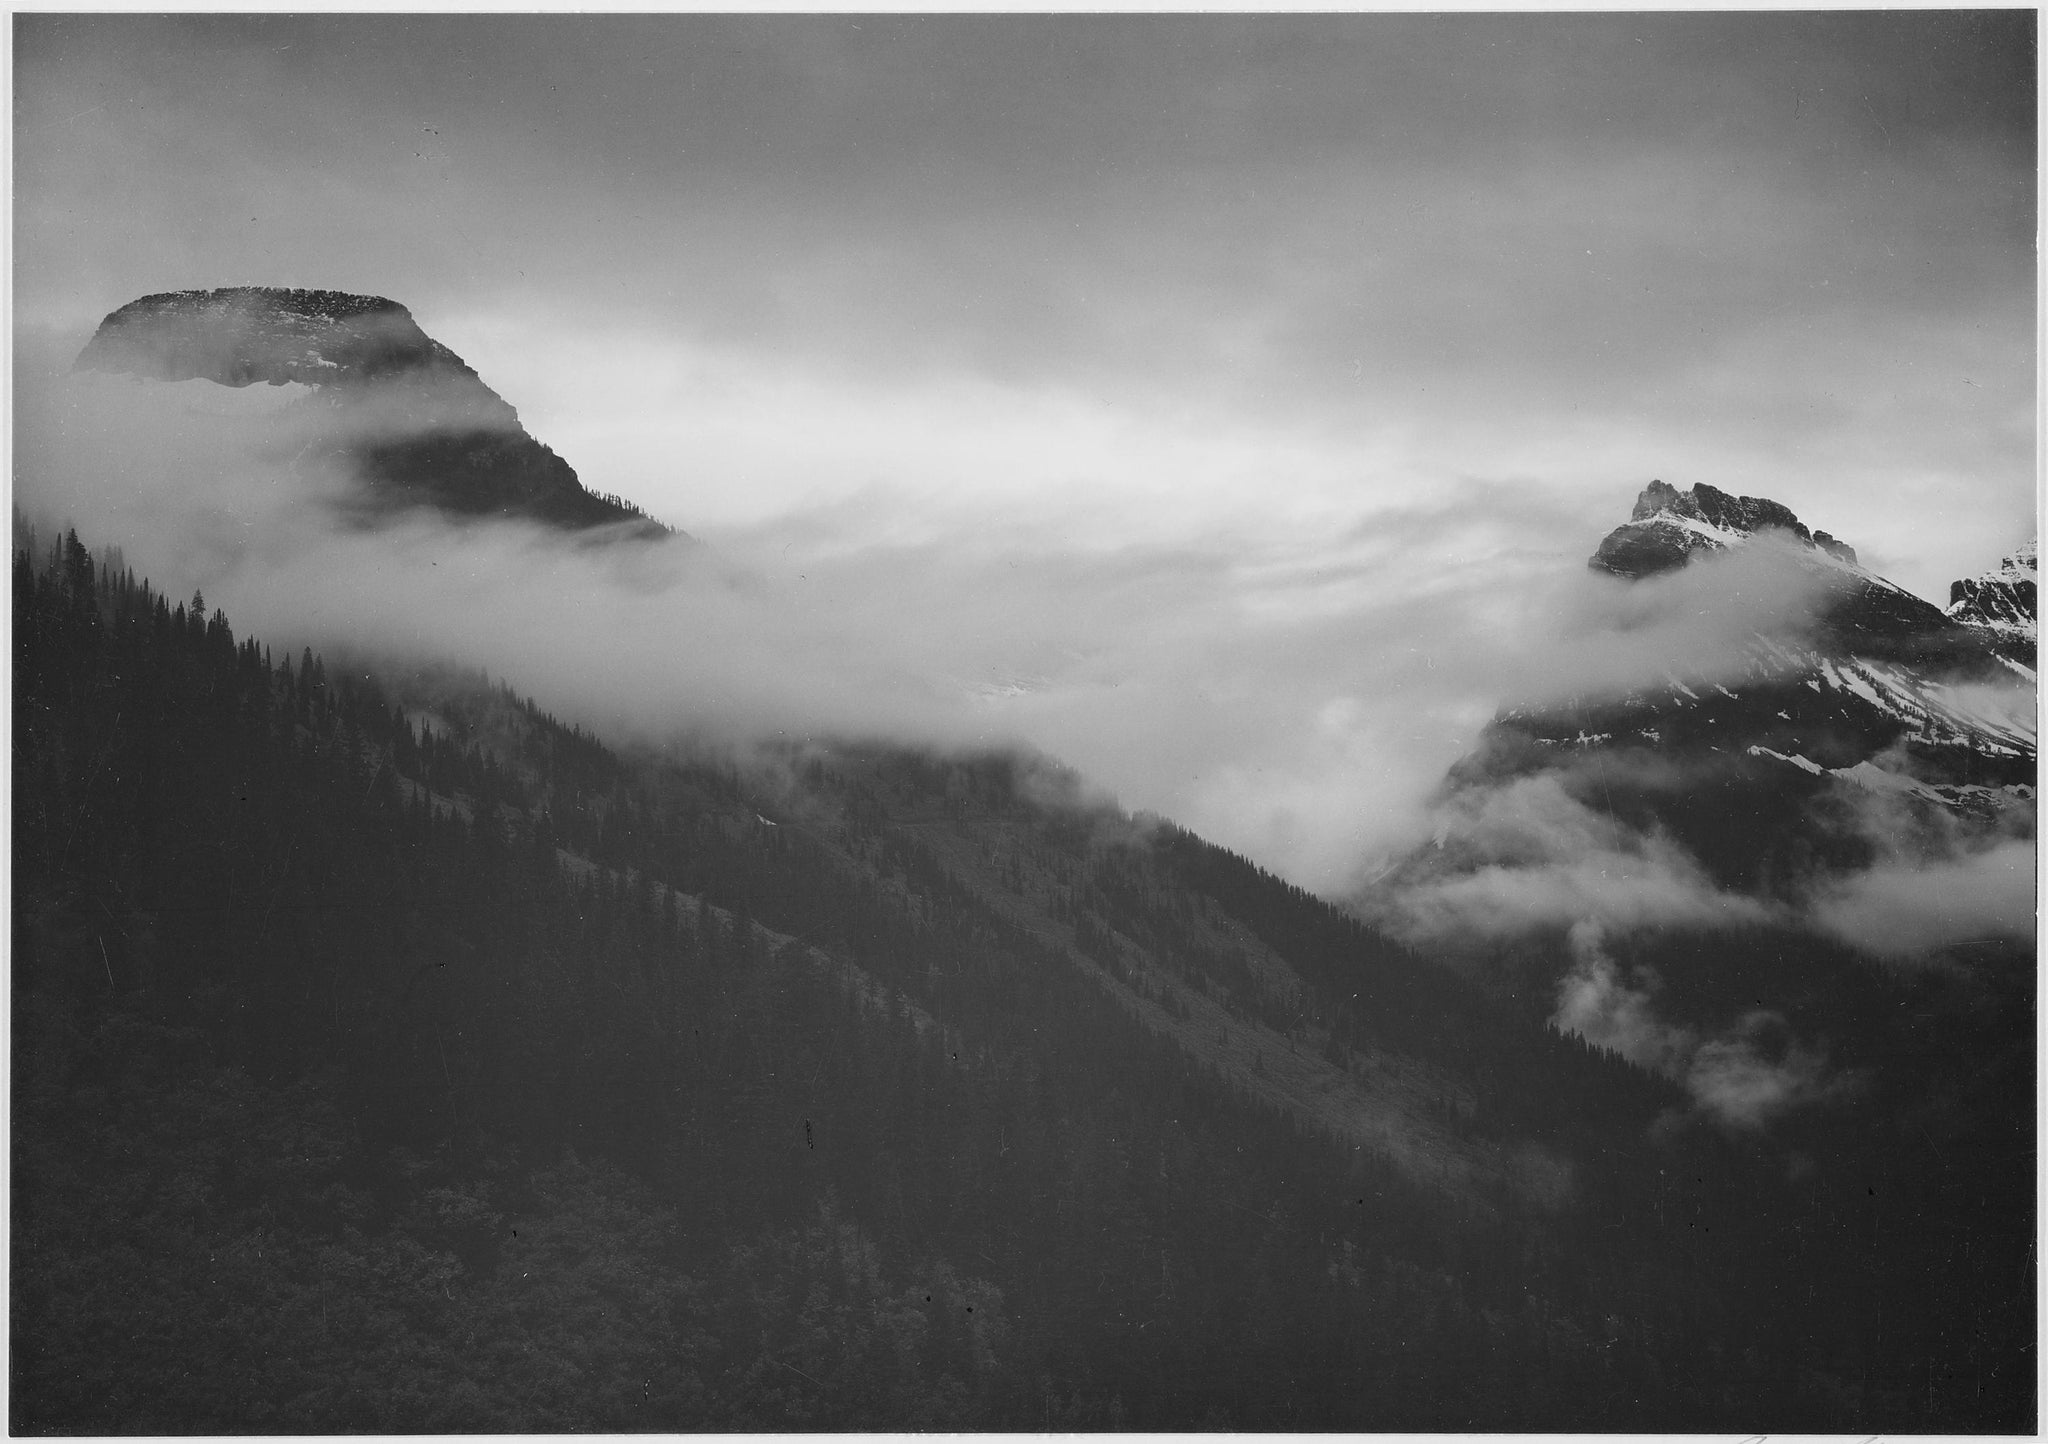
pixel 1280 331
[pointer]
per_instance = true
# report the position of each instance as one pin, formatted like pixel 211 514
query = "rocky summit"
pixel 1859 612
pixel 1668 526
pixel 1875 667
pixel 414 423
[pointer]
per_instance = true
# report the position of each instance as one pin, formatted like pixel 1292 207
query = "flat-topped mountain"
pixel 241 335
pixel 414 422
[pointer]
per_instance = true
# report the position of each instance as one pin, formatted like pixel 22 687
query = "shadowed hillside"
pixel 390 1056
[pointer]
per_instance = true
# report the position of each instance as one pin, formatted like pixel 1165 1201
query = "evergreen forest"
pixel 389 1056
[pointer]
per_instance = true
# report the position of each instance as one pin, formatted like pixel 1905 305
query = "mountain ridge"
pixel 1668 526
pixel 865 1086
pixel 1865 698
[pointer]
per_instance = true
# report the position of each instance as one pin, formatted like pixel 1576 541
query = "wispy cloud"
pixel 1742 1076
pixel 1291 680
pixel 1983 890
pixel 1525 856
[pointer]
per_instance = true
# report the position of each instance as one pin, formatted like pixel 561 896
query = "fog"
pixel 1294 691
pixel 1902 910
pixel 1741 1077
pixel 1551 862
pixel 1224 405
pixel 1941 885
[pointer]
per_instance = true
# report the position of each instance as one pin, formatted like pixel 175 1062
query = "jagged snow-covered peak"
pixel 1861 614
pixel 1872 674
pixel 1668 526
pixel 2003 599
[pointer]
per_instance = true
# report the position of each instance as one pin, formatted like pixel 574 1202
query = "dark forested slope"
pixel 389 1056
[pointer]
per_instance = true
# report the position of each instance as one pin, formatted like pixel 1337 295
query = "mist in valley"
pixel 1298 698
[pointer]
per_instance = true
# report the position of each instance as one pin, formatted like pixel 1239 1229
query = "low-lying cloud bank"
pixel 1293 689
pixel 1941 880
pixel 1907 909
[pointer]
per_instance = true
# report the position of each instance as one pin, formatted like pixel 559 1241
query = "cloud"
pixel 1290 687
pixel 1525 856
pixel 1903 909
pixel 1515 852
pixel 1744 1076
pixel 1941 877
pixel 1700 622
pixel 1289 677
pixel 1157 668
pixel 1594 1002
pixel 1755 1072
pixel 1792 255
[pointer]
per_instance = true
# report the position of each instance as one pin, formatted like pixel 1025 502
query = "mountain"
pixel 1669 526
pixel 414 423
pixel 393 1057
pixel 1857 687
pixel 1860 613
pixel 1846 725
pixel 1724 873
pixel 1873 668
pixel 850 1087
pixel 2003 602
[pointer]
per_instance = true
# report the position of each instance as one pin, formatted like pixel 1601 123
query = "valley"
pixel 393 1056
pixel 394 1000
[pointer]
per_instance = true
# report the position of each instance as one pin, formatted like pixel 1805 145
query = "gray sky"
pixel 1308 327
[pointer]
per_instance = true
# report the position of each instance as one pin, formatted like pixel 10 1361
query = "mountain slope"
pixel 831 1087
pixel 414 423
pixel 1723 873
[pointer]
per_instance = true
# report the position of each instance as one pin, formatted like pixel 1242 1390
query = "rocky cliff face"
pixel 1669 526
pixel 2002 602
pixel 414 422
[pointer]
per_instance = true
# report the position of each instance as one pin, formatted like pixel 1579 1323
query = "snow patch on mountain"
pixel 1795 759
pixel 1879 779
